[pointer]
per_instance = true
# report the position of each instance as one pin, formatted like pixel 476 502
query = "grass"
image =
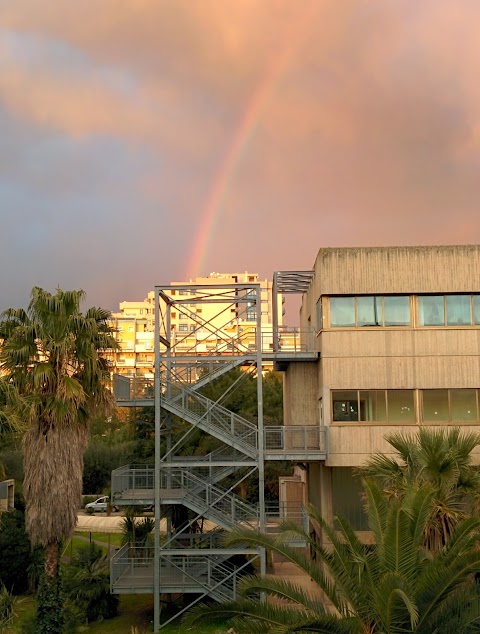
pixel 115 538
pixel 135 610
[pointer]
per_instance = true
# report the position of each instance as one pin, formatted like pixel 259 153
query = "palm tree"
pixel 51 359
pixel 441 459
pixel 392 587
pixel 87 584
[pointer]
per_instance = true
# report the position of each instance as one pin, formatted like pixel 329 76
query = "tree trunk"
pixel 51 560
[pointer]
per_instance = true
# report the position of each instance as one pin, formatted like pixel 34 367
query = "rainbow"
pixel 243 132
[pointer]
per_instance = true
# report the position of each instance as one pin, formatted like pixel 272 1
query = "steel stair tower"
pixel 184 561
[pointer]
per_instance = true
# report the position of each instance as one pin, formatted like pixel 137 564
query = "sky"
pixel 149 141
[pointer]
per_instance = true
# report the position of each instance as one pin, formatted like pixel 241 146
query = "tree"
pixel 441 459
pixel 87 585
pixel 17 554
pixel 51 358
pixel 391 587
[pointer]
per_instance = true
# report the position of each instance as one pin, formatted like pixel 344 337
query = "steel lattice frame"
pixel 240 296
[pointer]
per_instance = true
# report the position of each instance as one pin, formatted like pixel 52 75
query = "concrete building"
pixel 197 325
pixel 398 336
pixel 389 340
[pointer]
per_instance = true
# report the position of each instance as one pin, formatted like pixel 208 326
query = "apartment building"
pixel 398 336
pixel 199 326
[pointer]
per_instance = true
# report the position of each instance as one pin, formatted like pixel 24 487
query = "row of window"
pixel 403 310
pixel 406 406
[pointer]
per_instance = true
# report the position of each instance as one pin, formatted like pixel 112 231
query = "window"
pixel 476 309
pixel 449 310
pixel 192 328
pixel 450 405
pixel 463 405
pixel 183 292
pixel 373 405
pixel 431 310
pixel 182 316
pixel 401 406
pixel 459 310
pixel 345 406
pixel 396 310
pixel 394 406
pixel 183 327
pixel 370 310
pixel 141 311
pixel 342 312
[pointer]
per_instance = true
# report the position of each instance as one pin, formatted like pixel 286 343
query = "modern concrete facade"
pixel 398 336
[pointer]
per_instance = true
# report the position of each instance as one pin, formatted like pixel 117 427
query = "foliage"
pixel 137 531
pixel 50 611
pixel 100 459
pixel 7 606
pixel 55 373
pixel 17 554
pixel 51 357
pixel 142 426
pixel 87 584
pixel 392 587
pixel 11 459
pixel 440 459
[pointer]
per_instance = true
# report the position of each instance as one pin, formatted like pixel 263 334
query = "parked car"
pixel 100 505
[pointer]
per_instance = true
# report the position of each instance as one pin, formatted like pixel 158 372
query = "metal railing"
pixel 287 439
pixel 188 572
pixel 133 388
pixel 187 404
pixel 218 504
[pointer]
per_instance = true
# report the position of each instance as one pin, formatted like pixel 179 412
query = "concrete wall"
pixel 300 394
pixel 414 358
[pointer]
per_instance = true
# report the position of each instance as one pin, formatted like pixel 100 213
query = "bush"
pixel 99 461
pixel 7 607
pixel 87 585
pixel 16 552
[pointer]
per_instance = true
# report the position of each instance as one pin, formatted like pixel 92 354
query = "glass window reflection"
pixel 459 310
pixel 342 312
pixel 431 310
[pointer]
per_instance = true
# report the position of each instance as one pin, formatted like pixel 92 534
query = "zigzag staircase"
pixel 190 562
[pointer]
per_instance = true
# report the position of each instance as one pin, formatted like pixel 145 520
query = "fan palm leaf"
pixel 51 358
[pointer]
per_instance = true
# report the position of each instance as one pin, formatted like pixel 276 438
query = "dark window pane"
pixel 431 310
pixel 396 311
pixel 342 312
pixel 369 311
pixel 373 405
pixel 345 406
pixel 401 406
pixel 464 405
pixel 459 310
pixel 347 497
pixel 435 405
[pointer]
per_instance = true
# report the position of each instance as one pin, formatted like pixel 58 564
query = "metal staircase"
pixel 183 561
